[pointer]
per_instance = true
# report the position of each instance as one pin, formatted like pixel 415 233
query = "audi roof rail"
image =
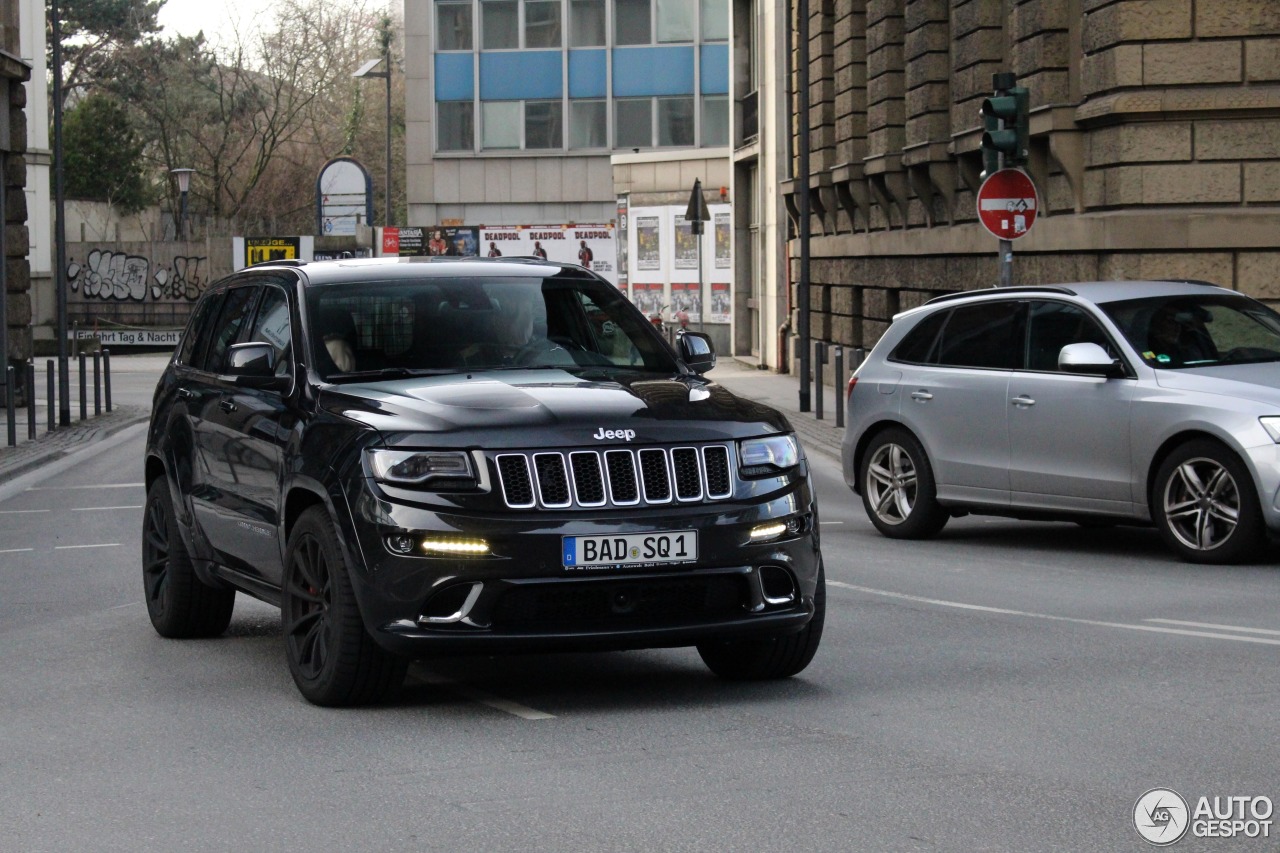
pixel 1028 288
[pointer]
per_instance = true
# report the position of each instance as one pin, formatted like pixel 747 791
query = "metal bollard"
pixel 49 368
pixel 106 376
pixel 11 412
pixel 859 356
pixel 84 392
pixel 97 384
pixel 819 356
pixel 840 387
pixel 31 399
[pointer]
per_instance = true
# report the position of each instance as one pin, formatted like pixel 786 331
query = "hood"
pixel 1257 382
pixel 549 407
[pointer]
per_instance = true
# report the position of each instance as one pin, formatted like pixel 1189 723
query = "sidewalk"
pixel 133 379
pixel 783 393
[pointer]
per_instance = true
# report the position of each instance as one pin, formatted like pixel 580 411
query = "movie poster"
pixel 648 297
pixel 648 251
pixel 719 302
pixel 686 302
pixel 723 242
pixel 590 246
pixel 686 243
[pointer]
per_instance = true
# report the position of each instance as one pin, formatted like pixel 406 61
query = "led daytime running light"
pixel 455 546
pixel 768 531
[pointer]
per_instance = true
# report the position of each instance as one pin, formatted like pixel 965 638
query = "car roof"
pixel 1097 292
pixel 1094 291
pixel 363 269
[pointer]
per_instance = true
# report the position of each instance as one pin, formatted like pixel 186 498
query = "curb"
pixel 90 434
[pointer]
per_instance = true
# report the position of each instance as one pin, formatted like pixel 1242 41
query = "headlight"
pixel 420 467
pixel 1271 423
pixel 768 455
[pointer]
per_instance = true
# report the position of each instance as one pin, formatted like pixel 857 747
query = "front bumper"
pixel 520 597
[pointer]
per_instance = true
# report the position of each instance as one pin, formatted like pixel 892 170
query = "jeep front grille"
pixel 617 477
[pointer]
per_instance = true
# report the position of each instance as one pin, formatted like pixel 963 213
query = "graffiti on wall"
pixel 124 277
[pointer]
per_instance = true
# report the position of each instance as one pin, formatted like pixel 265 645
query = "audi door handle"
pixel 228 406
pixel 1022 401
pixel 921 396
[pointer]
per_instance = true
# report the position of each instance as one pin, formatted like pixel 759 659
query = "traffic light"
pixel 1005 128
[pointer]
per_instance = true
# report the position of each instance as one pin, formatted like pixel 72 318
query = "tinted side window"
pixel 273 326
pixel 984 335
pixel 235 308
pixel 195 341
pixel 1053 325
pixel 918 346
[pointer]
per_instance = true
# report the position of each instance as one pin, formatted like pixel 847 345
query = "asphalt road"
pixel 1008 686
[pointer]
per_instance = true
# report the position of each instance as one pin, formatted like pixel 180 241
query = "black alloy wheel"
pixel 179 604
pixel 333 659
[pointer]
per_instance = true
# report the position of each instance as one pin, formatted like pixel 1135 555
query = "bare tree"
pixel 259 117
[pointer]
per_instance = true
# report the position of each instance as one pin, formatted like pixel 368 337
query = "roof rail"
pixel 1029 288
pixel 280 262
pixel 1190 281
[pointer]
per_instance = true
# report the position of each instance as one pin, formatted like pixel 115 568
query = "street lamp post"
pixel 366 70
pixel 184 186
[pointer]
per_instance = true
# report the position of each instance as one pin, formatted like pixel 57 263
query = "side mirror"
pixel 253 365
pixel 1089 359
pixel 697 352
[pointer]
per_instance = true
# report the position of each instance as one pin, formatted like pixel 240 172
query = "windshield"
pixel 1198 331
pixel 441 325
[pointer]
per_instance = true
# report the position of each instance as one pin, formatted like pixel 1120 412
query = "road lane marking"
pixel 96 508
pixel 98 486
pixel 99 545
pixel 1266 631
pixel 831 522
pixel 959 605
pixel 496 702
pixel 16 550
pixel 21 511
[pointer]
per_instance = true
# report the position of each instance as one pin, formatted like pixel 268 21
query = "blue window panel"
pixel 525 75
pixel 588 74
pixel 455 77
pixel 641 71
pixel 715 69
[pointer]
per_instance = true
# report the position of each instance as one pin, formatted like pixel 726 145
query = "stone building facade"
pixel 1155 147
pixel 13 172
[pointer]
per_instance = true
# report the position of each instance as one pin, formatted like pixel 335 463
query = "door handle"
pixel 921 396
pixel 1022 401
pixel 186 394
pixel 228 406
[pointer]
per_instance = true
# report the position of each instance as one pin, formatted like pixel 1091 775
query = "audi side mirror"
pixel 1089 359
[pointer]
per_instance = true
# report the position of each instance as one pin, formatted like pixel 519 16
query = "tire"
pixel 180 605
pixel 898 490
pixel 1206 507
pixel 331 656
pixel 763 658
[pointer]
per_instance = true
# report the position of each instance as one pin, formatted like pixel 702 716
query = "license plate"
pixel 634 549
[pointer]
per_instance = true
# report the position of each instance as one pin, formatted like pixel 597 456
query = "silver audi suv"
pixel 1143 402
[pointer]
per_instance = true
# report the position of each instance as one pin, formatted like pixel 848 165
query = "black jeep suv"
pixel 427 456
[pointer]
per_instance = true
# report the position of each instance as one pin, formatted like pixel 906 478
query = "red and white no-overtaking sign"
pixel 1007 204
